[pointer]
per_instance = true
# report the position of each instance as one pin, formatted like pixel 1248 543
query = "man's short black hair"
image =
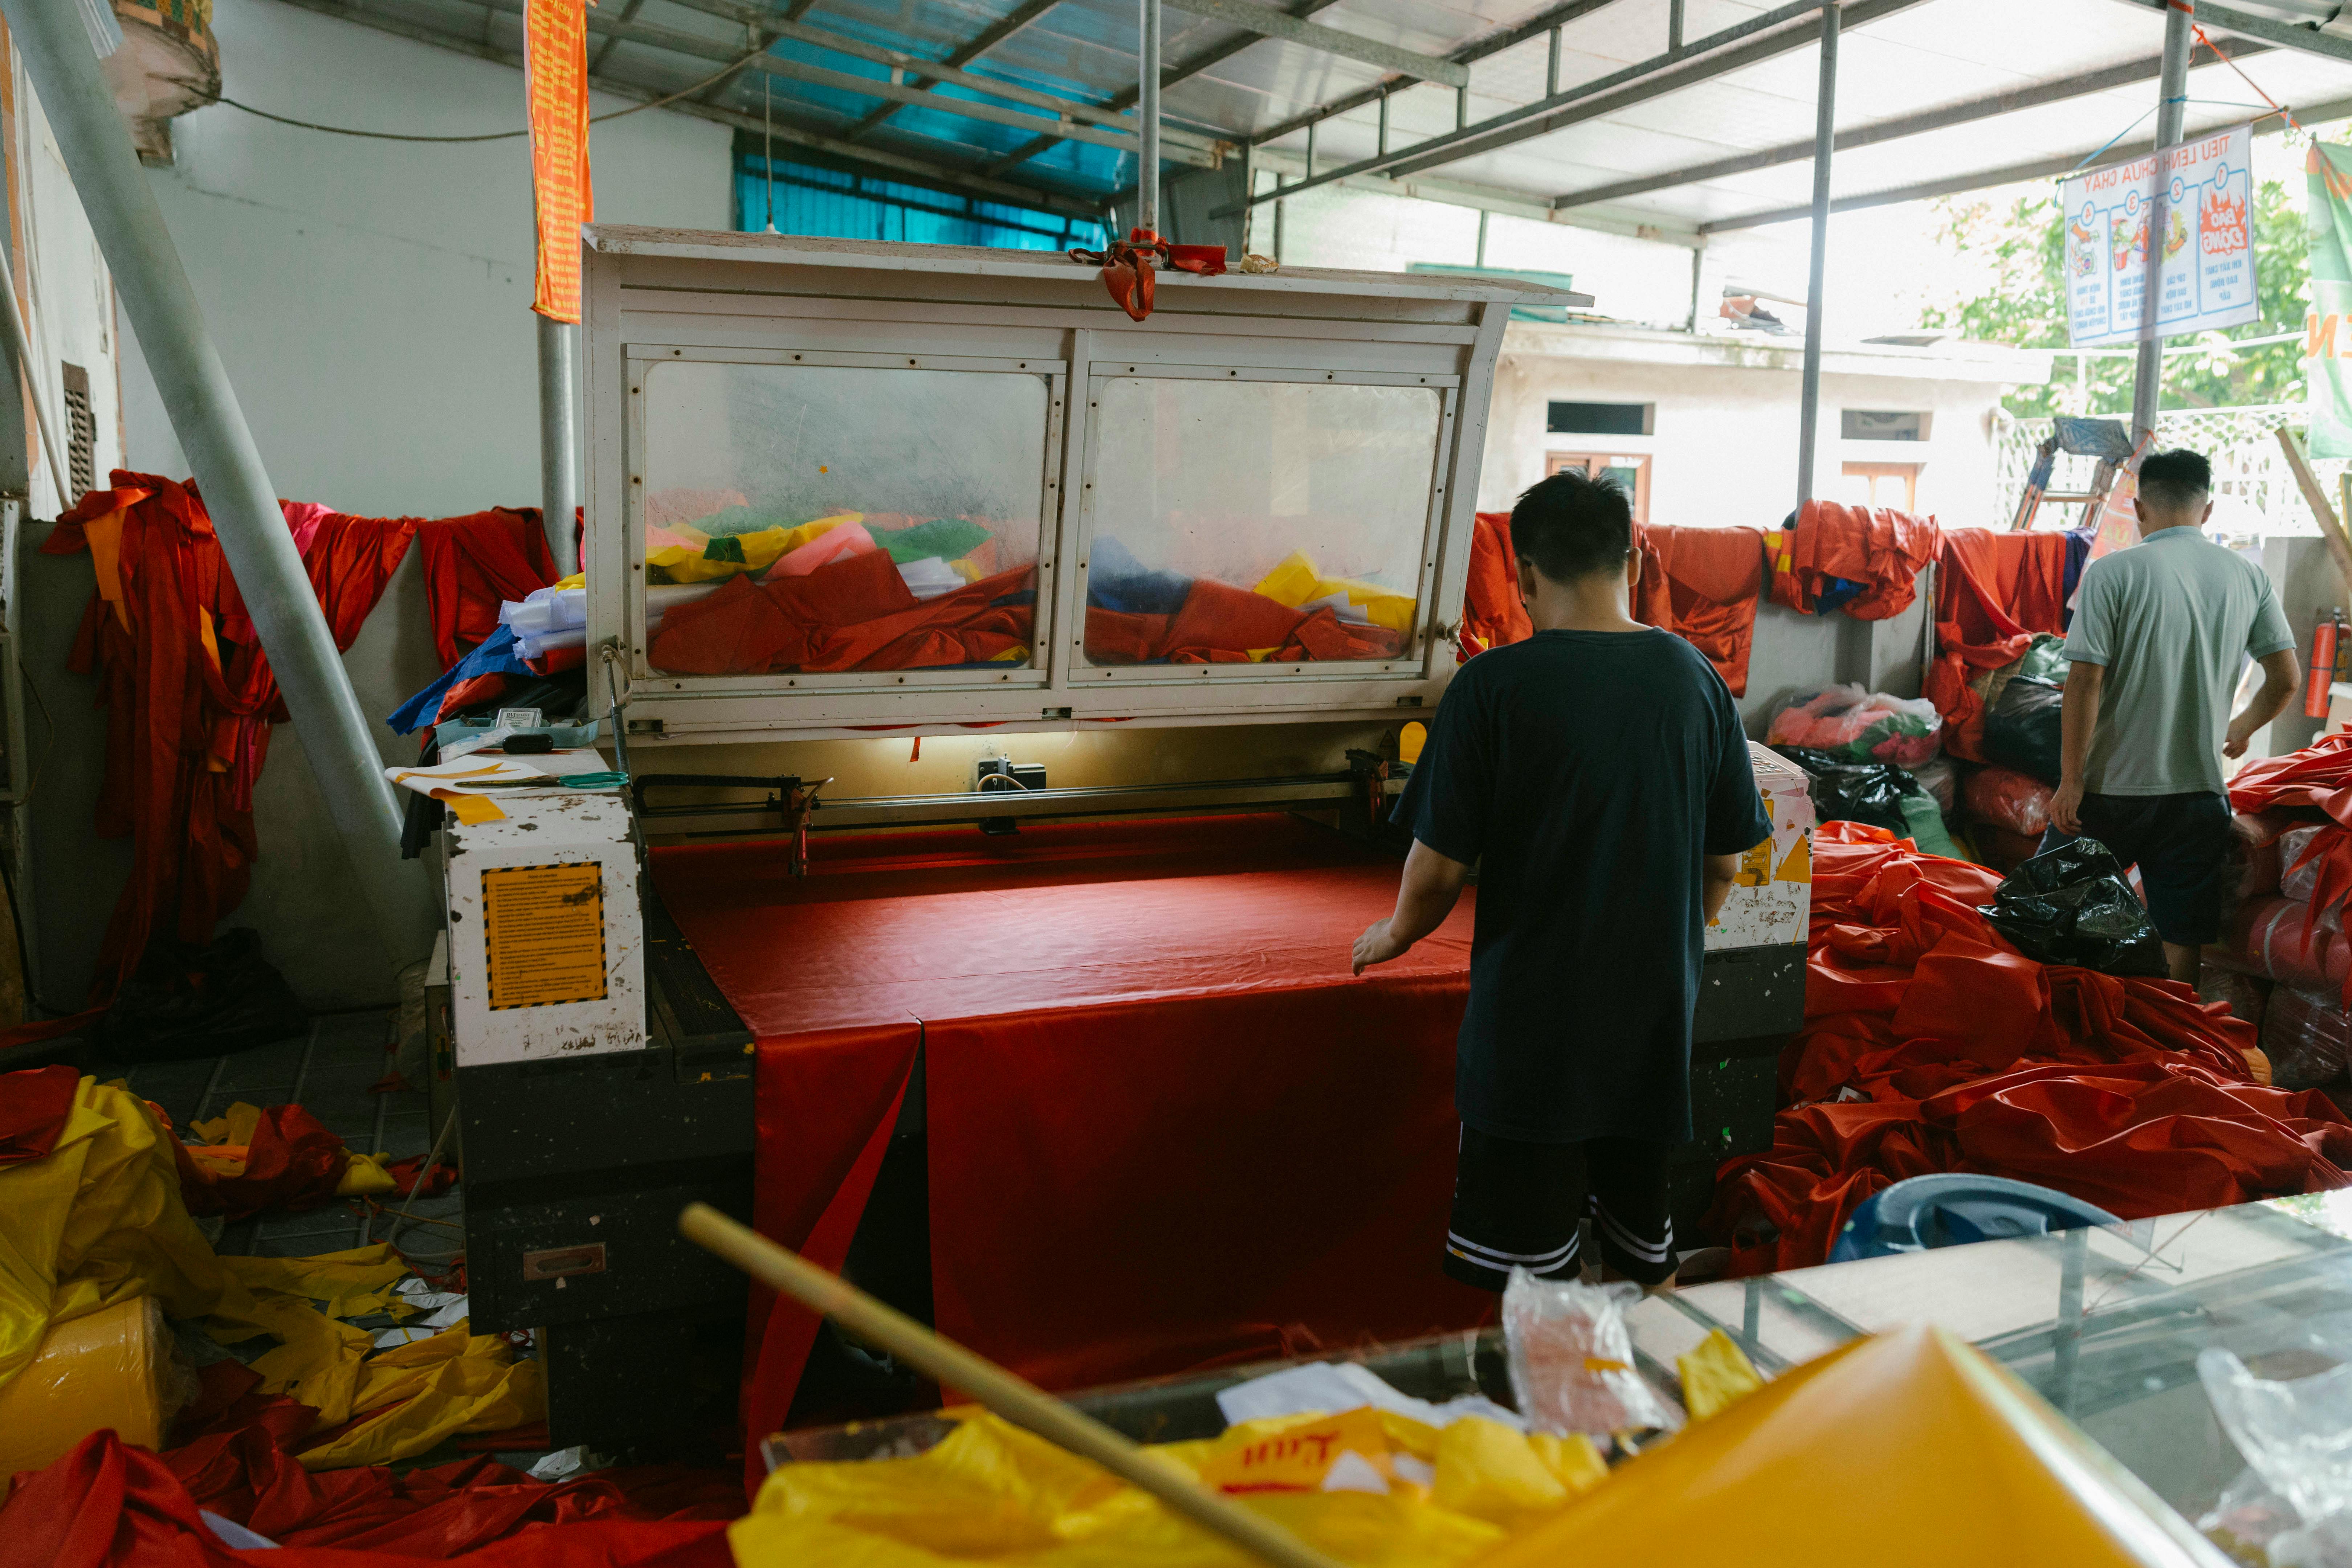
pixel 2175 480
pixel 1572 525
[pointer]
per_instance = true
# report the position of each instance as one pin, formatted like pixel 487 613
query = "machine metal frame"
pixel 662 294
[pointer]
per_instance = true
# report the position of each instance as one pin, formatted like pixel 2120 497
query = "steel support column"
pixel 2171 110
pixel 1147 116
pixel 559 439
pixel 1809 414
pixel 153 287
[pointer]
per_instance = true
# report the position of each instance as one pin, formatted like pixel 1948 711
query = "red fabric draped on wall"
pixel 1930 1044
pixel 472 564
pixel 189 695
pixel 1994 591
pixel 1702 584
pixel 1144 1156
pixel 1881 549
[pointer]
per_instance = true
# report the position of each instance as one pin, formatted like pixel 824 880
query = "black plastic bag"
pixel 2072 906
pixel 186 1002
pixel 2024 729
pixel 1879 793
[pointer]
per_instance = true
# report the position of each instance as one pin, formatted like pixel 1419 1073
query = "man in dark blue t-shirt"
pixel 1598 775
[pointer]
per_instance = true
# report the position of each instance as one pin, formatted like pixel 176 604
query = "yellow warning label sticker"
pixel 543 934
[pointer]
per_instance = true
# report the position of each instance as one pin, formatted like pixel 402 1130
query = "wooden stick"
pixel 1014 1399
pixel 2314 496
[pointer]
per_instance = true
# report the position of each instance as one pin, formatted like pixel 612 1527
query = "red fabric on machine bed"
pixel 1166 1125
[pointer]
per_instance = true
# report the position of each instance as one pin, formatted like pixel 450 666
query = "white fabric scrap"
pixel 929 577
pixel 1351 1472
pixel 1325 1387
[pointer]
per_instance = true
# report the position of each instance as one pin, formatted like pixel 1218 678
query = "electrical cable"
pixel 732 66
pixel 23 953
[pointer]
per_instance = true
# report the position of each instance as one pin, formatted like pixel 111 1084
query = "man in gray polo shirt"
pixel 2160 633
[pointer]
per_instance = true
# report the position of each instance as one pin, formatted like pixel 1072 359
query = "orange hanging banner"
pixel 555 76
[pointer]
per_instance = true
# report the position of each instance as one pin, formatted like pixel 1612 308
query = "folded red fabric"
pixel 1994 592
pixel 33 1105
pixel 1701 584
pixel 1931 1044
pixel 1879 548
pixel 853 614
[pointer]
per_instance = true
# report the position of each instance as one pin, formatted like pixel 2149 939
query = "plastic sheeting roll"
pixel 117 1367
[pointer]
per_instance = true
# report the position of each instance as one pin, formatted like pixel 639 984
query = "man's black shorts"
pixel 2179 842
pixel 1518 1204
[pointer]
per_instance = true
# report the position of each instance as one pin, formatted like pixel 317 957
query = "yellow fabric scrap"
pixel 363 1176
pixel 1296 582
pixel 993 1493
pixel 1716 1374
pixel 432 1389
pixel 760 550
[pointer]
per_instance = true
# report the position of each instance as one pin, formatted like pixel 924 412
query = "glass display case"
pixel 836 487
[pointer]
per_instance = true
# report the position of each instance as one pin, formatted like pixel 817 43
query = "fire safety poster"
pixel 2206 268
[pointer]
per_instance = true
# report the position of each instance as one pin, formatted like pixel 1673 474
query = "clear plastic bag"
pixel 1941 780
pixel 2307 1034
pixel 2299 872
pixel 2296 1434
pixel 1572 1359
pixel 1860 726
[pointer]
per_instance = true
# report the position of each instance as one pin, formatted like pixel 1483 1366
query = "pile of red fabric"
pixel 292 1164
pixel 855 614
pixel 1700 584
pixel 1880 550
pixel 2299 941
pixel 1994 592
pixel 1220 624
pixel 189 695
pixel 1930 1044
pixel 108 1505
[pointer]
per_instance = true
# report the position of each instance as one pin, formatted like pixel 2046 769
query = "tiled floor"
pixel 327 1073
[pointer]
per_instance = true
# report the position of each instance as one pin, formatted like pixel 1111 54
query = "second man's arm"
pixel 2281 673
pixel 2077 720
pixel 1426 896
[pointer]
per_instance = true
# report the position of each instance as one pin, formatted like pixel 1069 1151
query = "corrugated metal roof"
pixel 1625 110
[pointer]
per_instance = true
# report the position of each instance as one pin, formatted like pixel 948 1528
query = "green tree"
pixel 2022 243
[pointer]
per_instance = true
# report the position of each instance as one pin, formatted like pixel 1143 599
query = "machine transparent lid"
pixel 841 517
pixel 1257 520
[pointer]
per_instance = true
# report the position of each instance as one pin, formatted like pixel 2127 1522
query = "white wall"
pixel 67 295
pixel 1724 444
pixel 372 299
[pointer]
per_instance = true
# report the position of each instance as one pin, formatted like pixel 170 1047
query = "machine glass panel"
pixel 840 516
pixel 1252 520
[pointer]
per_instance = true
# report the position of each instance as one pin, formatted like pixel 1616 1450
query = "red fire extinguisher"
pixel 2320 680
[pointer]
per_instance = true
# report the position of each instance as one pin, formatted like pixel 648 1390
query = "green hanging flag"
pixel 2328 327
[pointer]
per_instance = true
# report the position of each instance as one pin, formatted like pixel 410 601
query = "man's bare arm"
pixel 1716 882
pixel 1424 897
pixel 2281 673
pixel 2077 720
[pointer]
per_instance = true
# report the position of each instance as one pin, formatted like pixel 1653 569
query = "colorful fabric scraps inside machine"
pixel 1135 615
pixel 860 591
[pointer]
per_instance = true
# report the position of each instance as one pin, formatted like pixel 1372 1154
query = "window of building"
pixel 81 435
pixel 1891 485
pixel 1599 419
pixel 1630 469
pixel 1882 425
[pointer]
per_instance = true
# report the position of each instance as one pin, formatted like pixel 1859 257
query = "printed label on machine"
pixel 543 934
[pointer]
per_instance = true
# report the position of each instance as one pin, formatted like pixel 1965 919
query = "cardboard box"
pixel 1772 903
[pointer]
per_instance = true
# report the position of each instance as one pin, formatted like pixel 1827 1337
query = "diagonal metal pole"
pixel 1809 414
pixel 155 290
